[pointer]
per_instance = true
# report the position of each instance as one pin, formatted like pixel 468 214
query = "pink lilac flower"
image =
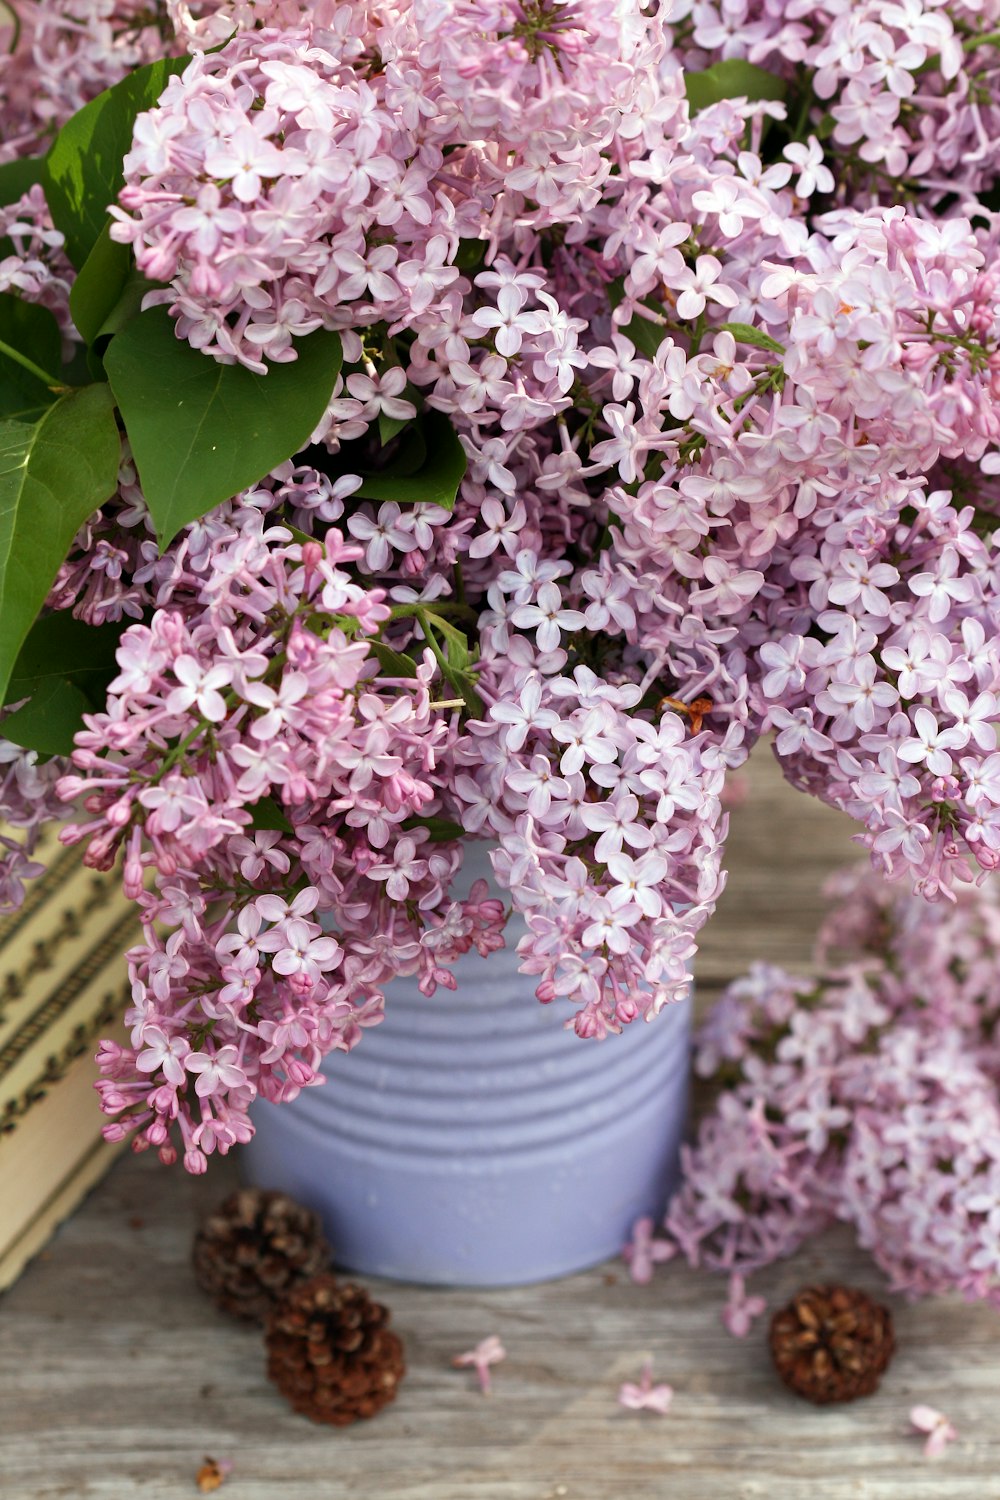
pixel 740 1310
pixel 489 1351
pixel 643 1395
pixel 867 1094
pixel 866 61
pixel 725 385
pixel 935 1424
pixel 66 53
pixel 643 1251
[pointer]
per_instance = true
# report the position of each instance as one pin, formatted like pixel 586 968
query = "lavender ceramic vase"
pixel 470 1141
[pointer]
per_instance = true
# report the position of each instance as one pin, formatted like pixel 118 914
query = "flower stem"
pixel 982 39
pixel 9 12
pixel 50 381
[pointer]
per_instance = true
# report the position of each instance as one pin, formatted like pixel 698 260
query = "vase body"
pixel 469 1140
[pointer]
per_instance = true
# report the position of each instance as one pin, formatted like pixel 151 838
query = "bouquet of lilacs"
pixel 472 418
pixel 869 1095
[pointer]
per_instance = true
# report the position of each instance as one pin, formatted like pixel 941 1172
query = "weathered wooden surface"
pixel 116 1377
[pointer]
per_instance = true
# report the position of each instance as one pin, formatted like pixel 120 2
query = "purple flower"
pixel 935 1424
pixel 524 715
pixel 199 688
pixel 215 1071
pixel 644 1251
pixel 708 400
pixel 548 617
pixel 489 1351
pixel 643 1395
pixel 740 1310
pixel 931 743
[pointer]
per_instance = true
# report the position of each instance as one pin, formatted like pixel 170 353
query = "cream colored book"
pixel 48 1164
pixel 63 985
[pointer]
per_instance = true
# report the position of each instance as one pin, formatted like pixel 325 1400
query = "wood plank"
pixel 116 1376
pixel 781 847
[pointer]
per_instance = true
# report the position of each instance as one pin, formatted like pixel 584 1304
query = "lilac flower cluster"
pixel 57 55
pixel 903 93
pixel 35 270
pixel 876 362
pixel 727 402
pixel 33 266
pixel 323 177
pixel 237 989
pixel 870 1095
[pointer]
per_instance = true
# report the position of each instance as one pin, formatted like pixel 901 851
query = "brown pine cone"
pixel 831 1343
pixel 330 1353
pixel 254 1248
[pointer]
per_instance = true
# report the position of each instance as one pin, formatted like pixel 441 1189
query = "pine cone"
pixel 254 1248
pixel 831 1343
pixel 330 1353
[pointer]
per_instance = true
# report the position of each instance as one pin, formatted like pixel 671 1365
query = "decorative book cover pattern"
pixel 63 985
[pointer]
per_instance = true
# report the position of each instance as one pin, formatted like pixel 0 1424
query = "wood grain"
pixel 116 1377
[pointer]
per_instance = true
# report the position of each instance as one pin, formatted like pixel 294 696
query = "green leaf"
pixel 10 18
pixel 302 537
pixel 22 397
pixel 745 333
pixel 470 254
pixel 268 817
pixel 63 669
pixel 129 304
pixel 97 290
pixel 32 330
pixel 646 336
pixel 409 456
pixel 733 78
pixel 127 307
pixel 455 661
pixel 394 662
pixel 437 479
pixel 59 645
pixel 441 830
pixel 456 642
pixel 389 427
pixel 77 371
pixel 83 170
pixel 200 431
pixel 616 292
pixel 53 475
pixel 49 719
pixel 16 177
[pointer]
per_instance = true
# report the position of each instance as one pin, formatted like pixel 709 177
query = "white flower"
pixel 813 176
pixel 381 393
pixel 619 357
pixel 548 616
pixel 699 285
pixel 509 319
pixel 942 589
pixel 940 1431
pixel 616 820
pixel 538 784
pixel 931 744
pixel 380 536
pixel 525 715
pixel 199 687
pixel 638 881
pixel 245 159
pixel 609 925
